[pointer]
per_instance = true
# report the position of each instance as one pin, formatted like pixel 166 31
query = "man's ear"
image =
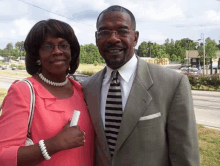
pixel 136 36
pixel 96 33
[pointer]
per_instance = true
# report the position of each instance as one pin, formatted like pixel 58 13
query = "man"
pixel 142 113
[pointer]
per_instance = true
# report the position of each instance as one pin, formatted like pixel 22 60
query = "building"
pixel 192 57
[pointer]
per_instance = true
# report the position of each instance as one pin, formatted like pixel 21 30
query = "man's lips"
pixel 114 50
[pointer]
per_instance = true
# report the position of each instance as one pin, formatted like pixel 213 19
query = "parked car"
pixel 4 67
pixel 78 77
pixel 186 69
pixel 13 68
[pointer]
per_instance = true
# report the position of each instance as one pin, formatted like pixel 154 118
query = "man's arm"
pixel 182 128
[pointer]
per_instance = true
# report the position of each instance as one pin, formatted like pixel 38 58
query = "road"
pixel 207 107
pixel 206 104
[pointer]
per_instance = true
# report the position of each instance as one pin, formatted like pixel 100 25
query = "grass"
pixel 13 74
pixel 209 141
pixel 209 146
pixel 2 63
pixel 90 67
pixel 3 93
pixel 206 88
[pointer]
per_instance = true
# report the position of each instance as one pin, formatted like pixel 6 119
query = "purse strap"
pixel 32 105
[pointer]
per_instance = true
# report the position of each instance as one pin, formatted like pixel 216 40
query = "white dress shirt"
pixel 126 76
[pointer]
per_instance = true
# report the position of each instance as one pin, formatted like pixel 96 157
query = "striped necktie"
pixel 113 112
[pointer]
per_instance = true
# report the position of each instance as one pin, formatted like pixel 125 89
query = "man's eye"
pixel 123 32
pixel 104 32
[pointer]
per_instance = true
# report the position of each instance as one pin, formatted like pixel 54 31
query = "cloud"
pixel 23 26
pixel 87 14
pixel 212 16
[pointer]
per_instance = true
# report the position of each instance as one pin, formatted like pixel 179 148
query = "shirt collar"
pixel 126 70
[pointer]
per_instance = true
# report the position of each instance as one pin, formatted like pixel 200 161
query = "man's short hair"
pixel 116 8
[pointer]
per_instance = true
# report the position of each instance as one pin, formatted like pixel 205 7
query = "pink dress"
pixel 50 115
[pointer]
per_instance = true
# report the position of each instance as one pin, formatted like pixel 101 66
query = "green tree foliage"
pixel 89 54
pixel 144 48
pixel 210 50
pixel 158 51
pixel 9 47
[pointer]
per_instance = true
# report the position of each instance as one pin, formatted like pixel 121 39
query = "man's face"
pixel 116 47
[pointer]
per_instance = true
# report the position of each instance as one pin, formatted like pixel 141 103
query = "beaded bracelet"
pixel 44 150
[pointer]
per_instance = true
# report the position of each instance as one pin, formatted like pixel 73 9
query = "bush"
pixel 212 81
pixel 192 79
pixel 215 80
pixel 89 73
pixel 13 65
pixel 95 63
pixel 20 67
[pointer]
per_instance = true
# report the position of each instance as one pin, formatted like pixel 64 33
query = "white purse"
pixel 28 141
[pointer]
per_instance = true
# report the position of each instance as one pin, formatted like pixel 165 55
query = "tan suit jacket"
pixel 158 126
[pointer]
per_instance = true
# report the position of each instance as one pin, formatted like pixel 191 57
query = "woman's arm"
pixel 69 137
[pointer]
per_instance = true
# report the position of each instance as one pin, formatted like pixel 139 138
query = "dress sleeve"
pixel 14 123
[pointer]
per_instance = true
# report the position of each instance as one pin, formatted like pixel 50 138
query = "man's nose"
pixel 114 38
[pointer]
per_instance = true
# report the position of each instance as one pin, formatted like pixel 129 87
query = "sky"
pixel 156 20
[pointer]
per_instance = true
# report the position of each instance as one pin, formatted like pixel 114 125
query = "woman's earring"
pixel 38 62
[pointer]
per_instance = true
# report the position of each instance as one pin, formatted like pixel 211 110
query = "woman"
pixel 52 52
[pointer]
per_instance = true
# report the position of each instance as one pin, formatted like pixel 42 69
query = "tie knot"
pixel 115 74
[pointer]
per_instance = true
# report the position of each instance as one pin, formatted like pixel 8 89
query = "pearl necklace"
pixel 51 82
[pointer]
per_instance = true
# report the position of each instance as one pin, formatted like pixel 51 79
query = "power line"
pixel 54 13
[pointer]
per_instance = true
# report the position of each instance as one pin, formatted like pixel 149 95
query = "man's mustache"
pixel 118 46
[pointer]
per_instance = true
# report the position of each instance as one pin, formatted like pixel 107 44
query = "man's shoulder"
pixel 92 79
pixel 159 73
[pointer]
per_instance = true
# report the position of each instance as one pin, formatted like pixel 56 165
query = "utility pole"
pixel 202 35
pixel 188 53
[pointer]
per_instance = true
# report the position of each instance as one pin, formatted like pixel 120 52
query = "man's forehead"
pixel 114 16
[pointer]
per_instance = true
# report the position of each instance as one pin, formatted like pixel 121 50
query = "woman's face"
pixel 55 55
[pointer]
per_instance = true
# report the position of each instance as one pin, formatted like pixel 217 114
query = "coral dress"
pixel 50 115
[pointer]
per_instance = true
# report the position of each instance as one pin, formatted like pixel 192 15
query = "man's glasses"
pixel 119 33
pixel 50 47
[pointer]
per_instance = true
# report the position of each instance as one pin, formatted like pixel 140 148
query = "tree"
pixel 166 41
pixel 9 47
pixel 173 58
pixel 143 48
pixel 20 45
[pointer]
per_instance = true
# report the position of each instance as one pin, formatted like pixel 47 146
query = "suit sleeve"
pixel 13 123
pixel 182 128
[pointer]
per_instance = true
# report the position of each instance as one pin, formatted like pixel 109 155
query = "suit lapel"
pixel 93 101
pixel 137 102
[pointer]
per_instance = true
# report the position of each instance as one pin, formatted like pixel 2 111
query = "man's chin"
pixel 115 63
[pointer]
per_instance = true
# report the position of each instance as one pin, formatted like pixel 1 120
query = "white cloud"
pixel 212 16
pixel 23 26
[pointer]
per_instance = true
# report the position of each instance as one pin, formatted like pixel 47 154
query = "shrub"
pixel 89 73
pixel 95 63
pixel 192 79
pixel 215 80
pixel 13 65
pixel 20 67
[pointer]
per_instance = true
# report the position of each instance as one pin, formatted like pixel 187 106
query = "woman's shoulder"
pixel 75 84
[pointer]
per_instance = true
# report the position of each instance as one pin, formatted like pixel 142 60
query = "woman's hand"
pixel 69 137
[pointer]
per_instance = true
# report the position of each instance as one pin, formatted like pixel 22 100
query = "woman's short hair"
pixel 35 38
